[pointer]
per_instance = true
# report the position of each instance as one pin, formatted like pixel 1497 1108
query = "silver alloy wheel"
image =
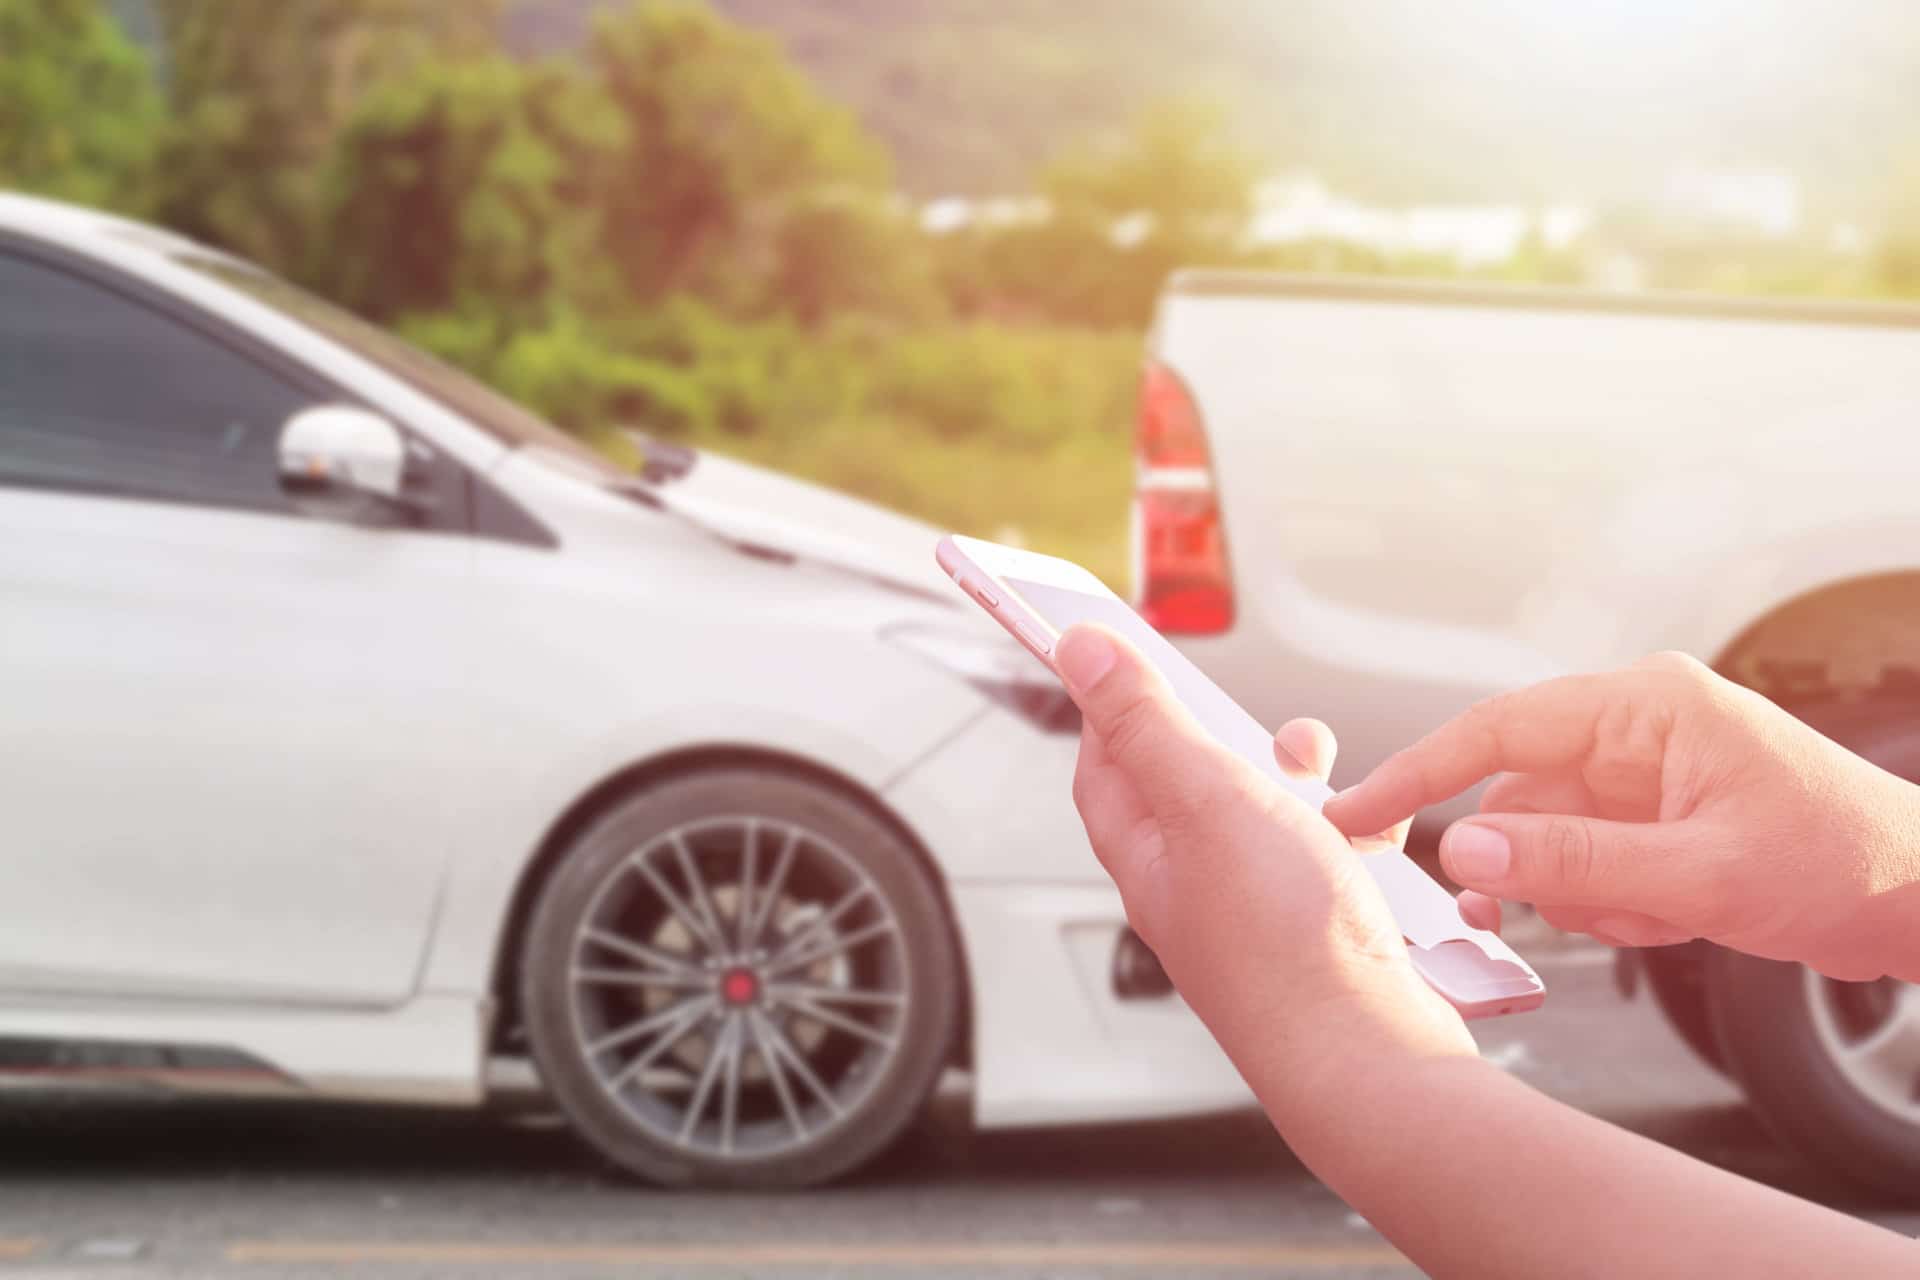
pixel 738 986
pixel 1871 1032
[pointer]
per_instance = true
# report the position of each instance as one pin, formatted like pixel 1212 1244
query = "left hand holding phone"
pixel 1257 907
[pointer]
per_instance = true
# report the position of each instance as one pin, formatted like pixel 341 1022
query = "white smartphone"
pixel 1037 597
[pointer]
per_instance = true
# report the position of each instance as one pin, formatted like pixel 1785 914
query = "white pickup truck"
pixel 1377 503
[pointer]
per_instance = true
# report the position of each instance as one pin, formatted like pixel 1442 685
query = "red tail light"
pixel 1179 547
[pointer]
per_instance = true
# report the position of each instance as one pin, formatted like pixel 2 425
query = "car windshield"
pixel 459 392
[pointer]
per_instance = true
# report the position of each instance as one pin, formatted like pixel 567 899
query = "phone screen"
pixel 1220 715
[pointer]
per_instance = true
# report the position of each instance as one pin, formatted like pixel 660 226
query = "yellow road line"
pixel 18 1248
pixel 1248 1254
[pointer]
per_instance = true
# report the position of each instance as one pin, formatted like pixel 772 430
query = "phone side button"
pixel 1037 642
pixel 983 595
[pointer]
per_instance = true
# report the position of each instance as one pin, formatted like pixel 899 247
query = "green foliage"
pixel 1004 385
pixel 78 110
pixel 836 253
pixel 678 234
pixel 468 182
pixel 723 135
pixel 584 384
pixel 257 99
pixel 1046 464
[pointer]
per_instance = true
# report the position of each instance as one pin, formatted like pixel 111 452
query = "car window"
pixel 479 404
pixel 101 392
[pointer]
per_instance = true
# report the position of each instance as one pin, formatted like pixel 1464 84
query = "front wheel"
pixel 740 979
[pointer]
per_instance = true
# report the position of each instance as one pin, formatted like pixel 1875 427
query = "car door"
pixel 228 724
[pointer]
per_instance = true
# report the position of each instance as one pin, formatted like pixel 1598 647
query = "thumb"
pixel 1146 730
pixel 1561 860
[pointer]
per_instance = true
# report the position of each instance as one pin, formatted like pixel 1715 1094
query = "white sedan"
pixel 358 731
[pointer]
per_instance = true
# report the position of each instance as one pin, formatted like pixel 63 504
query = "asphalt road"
pixel 100 1187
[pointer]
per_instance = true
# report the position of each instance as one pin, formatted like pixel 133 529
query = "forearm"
pixel 1471 1173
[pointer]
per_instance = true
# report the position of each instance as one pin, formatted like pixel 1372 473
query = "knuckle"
pixel 1678 663
pixel 1568 850
pixel 1130 729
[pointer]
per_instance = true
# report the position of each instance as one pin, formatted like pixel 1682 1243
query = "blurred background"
pixel 909 249
pixel 1492 339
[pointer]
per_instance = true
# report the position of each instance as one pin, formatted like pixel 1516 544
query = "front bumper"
pixel 1053 1043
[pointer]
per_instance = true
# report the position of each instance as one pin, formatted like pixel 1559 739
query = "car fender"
pixel 507 826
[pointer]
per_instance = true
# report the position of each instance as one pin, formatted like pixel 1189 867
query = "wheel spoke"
pixel 833 946
pixel 852 1026
pixel 1892 1050
pixel 730 1088
pixel 823 924
pixel 697 886
pixel 639 951
pixel 784 1047
pixel 716 1058
pixel 694 925
pixel 652 1022
pixel 672 1036
pixel 775 1072
pixel 743 905
pixel 658 979
pixel 836 995
pixel 770 896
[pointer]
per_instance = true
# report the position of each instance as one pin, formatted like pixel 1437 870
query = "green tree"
pixel 724 135
pixel 78 108
pixel 470 183
pixel 838 253
pixel 257 99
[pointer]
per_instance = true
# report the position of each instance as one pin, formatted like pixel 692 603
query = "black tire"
pixel 1678 979
pixel 1767 1023
pixel 1764 1017
pixel 892 956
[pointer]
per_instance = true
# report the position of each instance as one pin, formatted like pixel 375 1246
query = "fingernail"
pixel 1084 656
pixel 1474 854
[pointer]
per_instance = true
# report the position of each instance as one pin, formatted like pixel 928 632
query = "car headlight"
pixel 997 667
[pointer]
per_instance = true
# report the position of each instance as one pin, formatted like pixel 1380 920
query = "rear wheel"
pixel 1832 1068
pixel 741 978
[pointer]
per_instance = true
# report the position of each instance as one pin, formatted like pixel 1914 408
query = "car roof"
pixel 1216 282
pixel 93 230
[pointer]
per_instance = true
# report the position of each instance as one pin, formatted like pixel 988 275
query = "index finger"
pixel 1543 727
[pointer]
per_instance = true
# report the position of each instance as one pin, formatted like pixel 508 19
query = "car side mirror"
pixel 342 451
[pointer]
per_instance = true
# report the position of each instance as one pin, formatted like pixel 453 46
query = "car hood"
pixel 765 510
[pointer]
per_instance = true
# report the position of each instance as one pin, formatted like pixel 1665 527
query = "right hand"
pixel 1662 803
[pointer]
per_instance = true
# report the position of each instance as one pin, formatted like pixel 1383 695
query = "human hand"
pixel 1257 908
pixel 1661 803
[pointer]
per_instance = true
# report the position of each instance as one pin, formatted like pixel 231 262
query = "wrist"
pixel 1383 1022
pixel 1343 1117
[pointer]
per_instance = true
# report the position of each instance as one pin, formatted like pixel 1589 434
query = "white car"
pixel 1376 503
pixel 357 729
